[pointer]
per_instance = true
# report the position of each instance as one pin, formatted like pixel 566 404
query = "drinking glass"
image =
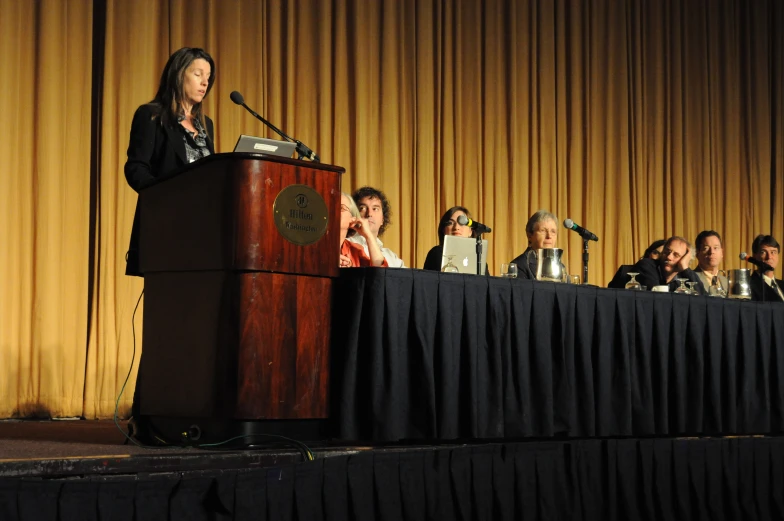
pixel 682 289
pixel 574 279
pixel 509 270
pixel 449 267
pixel 692 289
pixel 716 289
pixel 633 284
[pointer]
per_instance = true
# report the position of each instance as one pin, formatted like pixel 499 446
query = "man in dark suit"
pixel 673 263
pixel 764 286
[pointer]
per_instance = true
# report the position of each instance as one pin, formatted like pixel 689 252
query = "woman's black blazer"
pixel 155 152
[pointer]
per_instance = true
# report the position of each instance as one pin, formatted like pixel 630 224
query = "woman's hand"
pixel 345 261
pixel 363 228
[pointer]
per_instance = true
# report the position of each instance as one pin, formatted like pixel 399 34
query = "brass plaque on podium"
pixel 300 214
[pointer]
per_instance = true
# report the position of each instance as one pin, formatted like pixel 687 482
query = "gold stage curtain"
pixel 45 49
pixel 637 119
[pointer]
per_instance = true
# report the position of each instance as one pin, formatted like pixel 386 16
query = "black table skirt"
pixel 716 479
pixel 426 355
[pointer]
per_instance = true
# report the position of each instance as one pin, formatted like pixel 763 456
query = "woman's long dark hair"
pixel 445 219
pixel 168 100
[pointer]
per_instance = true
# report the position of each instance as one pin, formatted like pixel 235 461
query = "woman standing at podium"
pixel 171 131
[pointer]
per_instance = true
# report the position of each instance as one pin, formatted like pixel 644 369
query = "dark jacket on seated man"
pixel 650 275
pixel 621 276
pixel 762 291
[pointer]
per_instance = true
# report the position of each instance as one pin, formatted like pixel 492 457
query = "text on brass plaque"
pixel 300 214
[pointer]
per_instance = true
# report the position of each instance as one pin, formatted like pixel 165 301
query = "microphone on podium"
pixel 302 149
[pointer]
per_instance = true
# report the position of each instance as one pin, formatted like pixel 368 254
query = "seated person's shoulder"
pixel 621 276
pixel 523 266
pixel 433 259
pixel 649 264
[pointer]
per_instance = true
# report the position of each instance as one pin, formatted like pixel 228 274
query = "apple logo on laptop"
pixel 465 262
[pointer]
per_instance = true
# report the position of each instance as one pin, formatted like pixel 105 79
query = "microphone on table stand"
pixel 764 267
pixel 587 236
pixel 479 228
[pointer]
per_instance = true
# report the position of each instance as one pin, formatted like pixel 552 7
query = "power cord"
pixel 128 376
pixel 304 449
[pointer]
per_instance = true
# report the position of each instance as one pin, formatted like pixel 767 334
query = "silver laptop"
pixel 464 251
pixel 260 145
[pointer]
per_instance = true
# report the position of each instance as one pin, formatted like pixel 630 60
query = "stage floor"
pixel 61 448
pixel 71 448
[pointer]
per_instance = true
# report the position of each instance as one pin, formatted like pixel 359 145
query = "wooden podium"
pixel 236 315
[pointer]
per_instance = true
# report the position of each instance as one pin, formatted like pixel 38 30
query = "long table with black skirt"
pixel 427 355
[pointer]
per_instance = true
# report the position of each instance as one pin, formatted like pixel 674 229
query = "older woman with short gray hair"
pixel 542 232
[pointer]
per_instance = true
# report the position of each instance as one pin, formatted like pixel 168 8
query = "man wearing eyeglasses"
pixel 673 263
pixel 764 285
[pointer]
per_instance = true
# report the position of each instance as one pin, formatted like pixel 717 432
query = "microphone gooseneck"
pixel 302 149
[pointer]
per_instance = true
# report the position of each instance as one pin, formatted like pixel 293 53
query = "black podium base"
pixel 229 434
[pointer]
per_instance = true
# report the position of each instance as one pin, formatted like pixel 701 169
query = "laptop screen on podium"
pixel 260 145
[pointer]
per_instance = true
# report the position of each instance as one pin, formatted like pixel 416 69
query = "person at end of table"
pixel 764 285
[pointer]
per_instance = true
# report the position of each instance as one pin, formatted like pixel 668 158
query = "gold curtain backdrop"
pixel 45 49
pixel 638 120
